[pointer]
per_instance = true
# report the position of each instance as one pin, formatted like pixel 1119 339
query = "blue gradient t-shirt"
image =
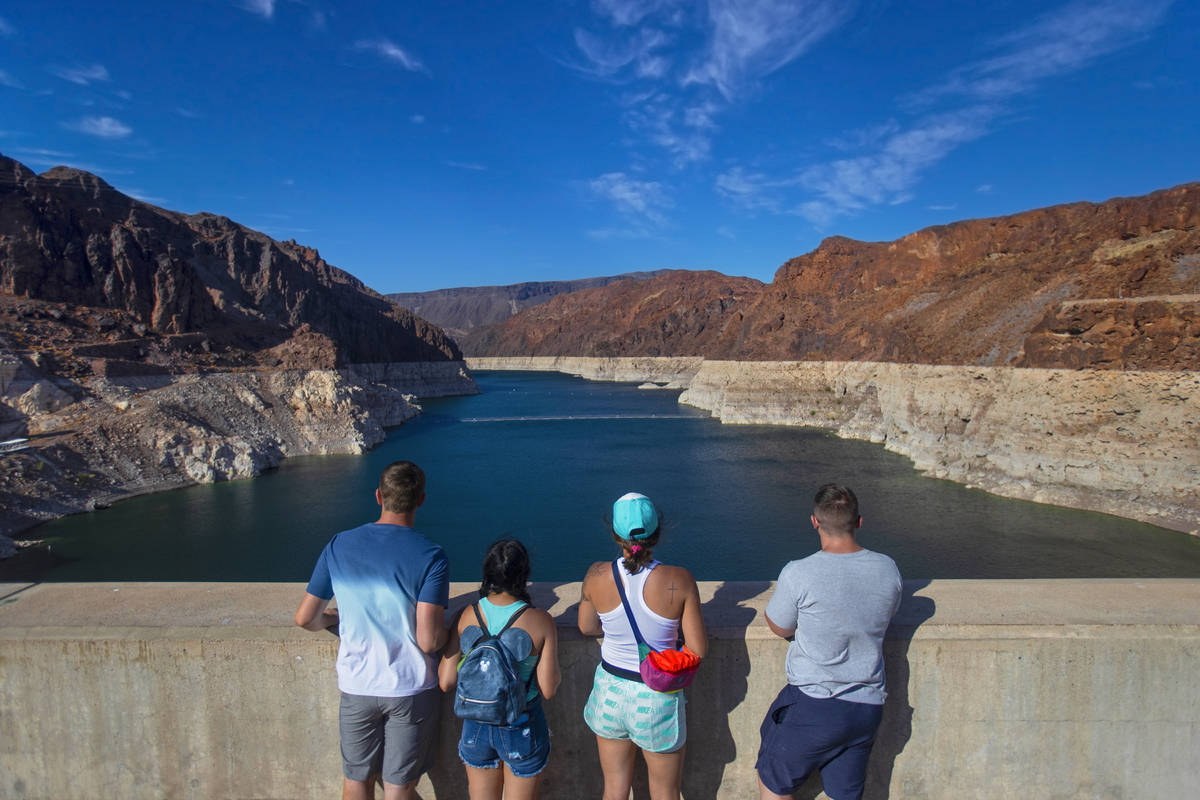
pixel 379 573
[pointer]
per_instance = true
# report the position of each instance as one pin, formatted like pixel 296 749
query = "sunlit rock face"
pixel 1113 285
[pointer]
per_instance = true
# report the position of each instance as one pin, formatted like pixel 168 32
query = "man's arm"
pixel 431 627
pixel 312 615
pixel 782 633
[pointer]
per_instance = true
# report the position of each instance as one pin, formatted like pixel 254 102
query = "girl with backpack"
pixel 517 641
pixel 640 606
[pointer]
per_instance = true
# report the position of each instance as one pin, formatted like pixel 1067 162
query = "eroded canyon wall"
pixel 1124 443
pixel 132 435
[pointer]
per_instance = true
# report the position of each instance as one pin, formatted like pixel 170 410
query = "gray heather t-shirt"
pixel 840 605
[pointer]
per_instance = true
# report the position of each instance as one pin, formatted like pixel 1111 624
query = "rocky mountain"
pixel 462 310
pixel 181 291
pixel 143 349
pixel 1112 285
pixel 674 313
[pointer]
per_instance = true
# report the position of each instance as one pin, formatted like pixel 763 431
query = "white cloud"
pixel 264 8
pixel 187 113
pixel 392 52
pixel 104 127
pixel 942 206
pixel 1056 43
pixel 289 181
pixel 985 188
pixel 894 155
pixel 688 66
pixel 631 12
pixel 885 176
pixel 753 191
pixel 84 76
pixel 635 198
pixel 40 152
pixel 417 119
pixel 9 81
pixel 727 232
pixel 466 165
pixel 138 194
pixel 6 29
pixel 750 39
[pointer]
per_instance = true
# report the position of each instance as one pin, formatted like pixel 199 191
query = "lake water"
pixel 541 456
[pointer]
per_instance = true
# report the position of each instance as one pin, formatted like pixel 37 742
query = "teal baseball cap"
pixel 634 516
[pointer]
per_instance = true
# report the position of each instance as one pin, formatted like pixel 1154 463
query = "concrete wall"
pixel 1052 689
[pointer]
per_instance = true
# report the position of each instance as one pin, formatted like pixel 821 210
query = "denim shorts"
pixel 802 733
pixel 525 748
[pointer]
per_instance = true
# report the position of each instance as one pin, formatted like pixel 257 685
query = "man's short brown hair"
pixel 836 509
pixel 401 487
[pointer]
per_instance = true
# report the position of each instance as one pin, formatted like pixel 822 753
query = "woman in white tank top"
pixel 624 713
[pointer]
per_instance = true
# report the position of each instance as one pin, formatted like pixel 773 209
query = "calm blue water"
pixel 542 456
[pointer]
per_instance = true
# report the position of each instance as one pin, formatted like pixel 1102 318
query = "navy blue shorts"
pixel 524 747
pixel 802 733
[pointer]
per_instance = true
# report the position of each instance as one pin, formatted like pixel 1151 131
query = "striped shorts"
pixel 622 709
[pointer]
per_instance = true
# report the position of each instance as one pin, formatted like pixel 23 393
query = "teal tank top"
pixel 497 618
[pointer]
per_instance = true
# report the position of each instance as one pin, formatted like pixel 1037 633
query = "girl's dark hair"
pixel 506 569
pixel 634 562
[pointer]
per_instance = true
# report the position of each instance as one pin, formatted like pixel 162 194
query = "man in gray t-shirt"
pixel 834 607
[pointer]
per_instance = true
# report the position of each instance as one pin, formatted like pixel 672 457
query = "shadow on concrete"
pixel 722 686
pixel 896 728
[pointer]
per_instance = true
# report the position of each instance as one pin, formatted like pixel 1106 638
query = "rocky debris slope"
pixel 1121 442
pixel 1110 285
pixel 460 311
pixel 236 297
pixel 130 435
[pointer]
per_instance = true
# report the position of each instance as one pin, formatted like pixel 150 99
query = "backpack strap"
pixel 483 625
pixel 637 634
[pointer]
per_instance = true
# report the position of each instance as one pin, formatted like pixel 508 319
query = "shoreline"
pixel 1121 443
pixel 141 435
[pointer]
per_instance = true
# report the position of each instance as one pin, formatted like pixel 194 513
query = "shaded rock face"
pixel 1111 285
pixel 67 237
pixel 462 310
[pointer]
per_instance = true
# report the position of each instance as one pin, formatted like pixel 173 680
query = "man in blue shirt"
pixel 392 588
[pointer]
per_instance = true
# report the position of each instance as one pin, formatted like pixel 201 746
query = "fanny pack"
pixel 661 670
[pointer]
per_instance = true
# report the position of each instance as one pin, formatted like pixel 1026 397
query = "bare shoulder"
pixel 596 571
pixel 679 576
pixel 539 619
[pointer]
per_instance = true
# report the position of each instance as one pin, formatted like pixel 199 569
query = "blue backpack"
pixel 490 688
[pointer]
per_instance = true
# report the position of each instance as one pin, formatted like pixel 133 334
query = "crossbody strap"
pixel 637 634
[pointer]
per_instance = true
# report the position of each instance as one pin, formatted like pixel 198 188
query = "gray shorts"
pixel 392 736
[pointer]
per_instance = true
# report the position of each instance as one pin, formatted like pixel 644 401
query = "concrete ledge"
pixel 1081 688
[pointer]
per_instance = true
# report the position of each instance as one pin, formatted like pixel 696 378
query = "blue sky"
pixel 435 144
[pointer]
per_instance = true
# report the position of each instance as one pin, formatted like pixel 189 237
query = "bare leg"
pixel 394 791
pixel 519 788
pixel 766 794
pixel 665 771
pixel 616 761
pixel 485 784
pixel 358 790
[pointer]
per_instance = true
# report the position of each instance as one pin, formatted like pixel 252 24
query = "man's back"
pixel 840 605
pixel 379 572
